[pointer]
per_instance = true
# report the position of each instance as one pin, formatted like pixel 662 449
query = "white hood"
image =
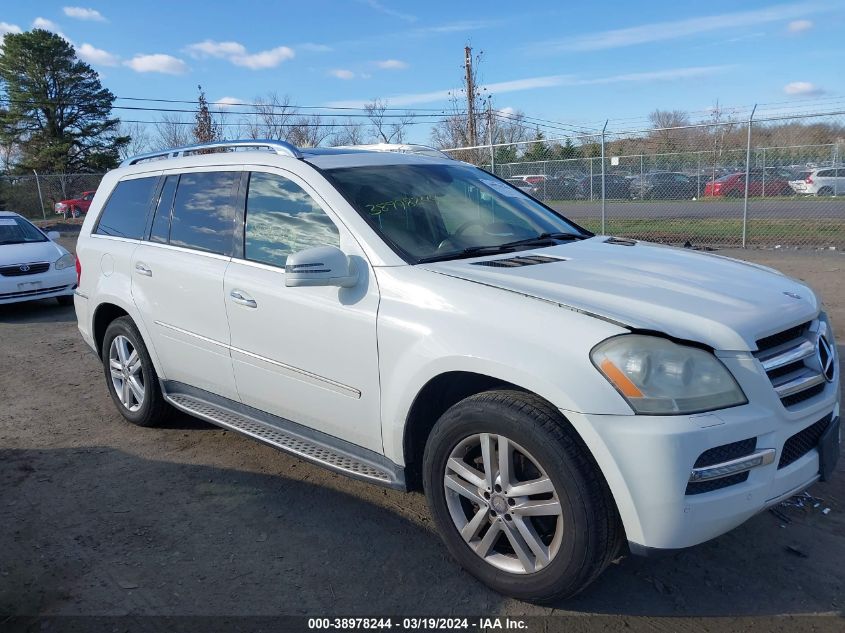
pixel 30 252
pixel 723 303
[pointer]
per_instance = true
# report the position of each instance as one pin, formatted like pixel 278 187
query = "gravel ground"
pixel 101 517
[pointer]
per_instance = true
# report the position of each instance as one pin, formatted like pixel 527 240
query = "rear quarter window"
pixel 125 212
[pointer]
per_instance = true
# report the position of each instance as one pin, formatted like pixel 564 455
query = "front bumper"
pixel 52 283
pixel 648 462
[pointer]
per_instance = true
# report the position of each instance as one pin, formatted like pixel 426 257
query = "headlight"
pixel 65 261
pixel 657 376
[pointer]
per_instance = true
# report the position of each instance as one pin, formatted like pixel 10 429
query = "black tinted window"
pixel 282 219
pixel 160 231
pixel 125 213
pixel 203 214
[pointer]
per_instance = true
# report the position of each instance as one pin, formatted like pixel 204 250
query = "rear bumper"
pixel 53 283
pixel 648 462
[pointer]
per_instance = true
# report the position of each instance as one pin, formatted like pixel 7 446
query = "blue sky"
pixel 576 63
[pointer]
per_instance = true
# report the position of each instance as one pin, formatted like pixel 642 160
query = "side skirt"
pixel 308 444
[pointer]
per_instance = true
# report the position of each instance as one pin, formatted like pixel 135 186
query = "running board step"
pixel 307 448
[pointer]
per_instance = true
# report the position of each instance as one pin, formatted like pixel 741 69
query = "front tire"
pixel 517 497
pixel 131 378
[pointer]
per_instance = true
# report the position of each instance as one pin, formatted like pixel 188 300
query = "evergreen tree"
pixel 59 115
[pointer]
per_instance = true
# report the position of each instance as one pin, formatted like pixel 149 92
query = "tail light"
pixel 809 179
pixel 78 271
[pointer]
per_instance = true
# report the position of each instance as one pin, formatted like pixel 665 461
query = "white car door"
pixel 177 277
pixel 307 354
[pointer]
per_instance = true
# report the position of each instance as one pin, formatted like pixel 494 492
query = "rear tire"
pixel 562 553
pixel 825 191
pixel 131 378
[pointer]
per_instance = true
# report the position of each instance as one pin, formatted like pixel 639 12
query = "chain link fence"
pixel 36 196
pixel 768 182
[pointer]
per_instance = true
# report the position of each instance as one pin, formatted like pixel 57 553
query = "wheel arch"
pixel 107 311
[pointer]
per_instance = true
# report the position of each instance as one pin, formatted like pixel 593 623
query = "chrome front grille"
pixel 795 361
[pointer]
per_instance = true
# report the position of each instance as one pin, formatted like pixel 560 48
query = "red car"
pixel 760 183
pixel 75 207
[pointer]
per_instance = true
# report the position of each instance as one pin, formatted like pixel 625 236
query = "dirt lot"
pixel 101 517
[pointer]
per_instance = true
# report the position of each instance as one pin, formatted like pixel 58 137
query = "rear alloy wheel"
pixel 517 497
pixel 825 191
pixel 130 375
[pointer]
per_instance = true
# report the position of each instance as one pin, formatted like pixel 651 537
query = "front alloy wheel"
pixel 127 374
pixel 517 497
pixel 503 503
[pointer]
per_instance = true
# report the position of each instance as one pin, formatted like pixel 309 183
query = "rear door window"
pixel 160 230
pixel 203 216
pixel 125 212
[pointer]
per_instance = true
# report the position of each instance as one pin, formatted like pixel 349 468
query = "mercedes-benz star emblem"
pixel 791 294
pixel 826 357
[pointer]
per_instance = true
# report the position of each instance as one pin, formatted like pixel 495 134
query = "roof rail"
pixel 279 147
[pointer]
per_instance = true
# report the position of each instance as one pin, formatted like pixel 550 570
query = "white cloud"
pixel 342 73
pixel 80 13
pixel 549 81
pixel 311 47
pixel 157 63
pixel 802 88
pixel 97 56
pixel 457 27
pixel 237 54
pixel 6 28
pixel 44 23
pixel 228 102
pixel 378 6
pixel 677 29
pixel 507 111
pixel 799 26
pixel 392 64
pixel 49 25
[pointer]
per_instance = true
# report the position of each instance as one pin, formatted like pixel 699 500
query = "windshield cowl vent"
pixel 620 241
pixel 516 262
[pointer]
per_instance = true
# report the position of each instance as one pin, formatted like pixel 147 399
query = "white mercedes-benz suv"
pixel 419 323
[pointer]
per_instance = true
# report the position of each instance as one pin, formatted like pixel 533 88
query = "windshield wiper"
pixel 542 239
pixel 475 251
pixel 472 251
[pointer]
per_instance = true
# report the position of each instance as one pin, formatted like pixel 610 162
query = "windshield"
pixel 15 230
pixel 438 211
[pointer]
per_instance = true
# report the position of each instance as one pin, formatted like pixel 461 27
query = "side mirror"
pixel 320 266
pixel 53 235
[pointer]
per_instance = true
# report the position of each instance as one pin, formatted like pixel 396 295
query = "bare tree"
pixel 351 133
pixel 139 139
pixel 666 132
pixel 308 131
pixel 171 131
pixel 274 119
pixel 387 129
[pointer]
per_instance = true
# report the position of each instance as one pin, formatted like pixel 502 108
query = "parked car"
pixel 413 322
pixel 828 181
pixel 531 179
pixel 663 184
pixel 555 188
pixel 614 187
pixel 519 183
pixel 75 207
pixel 760 183
pixel 32 265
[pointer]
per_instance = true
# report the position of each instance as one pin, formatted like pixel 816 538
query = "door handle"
pixel 243 299
pixel 143 269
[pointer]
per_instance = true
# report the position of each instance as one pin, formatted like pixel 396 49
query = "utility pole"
pixel 470 89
